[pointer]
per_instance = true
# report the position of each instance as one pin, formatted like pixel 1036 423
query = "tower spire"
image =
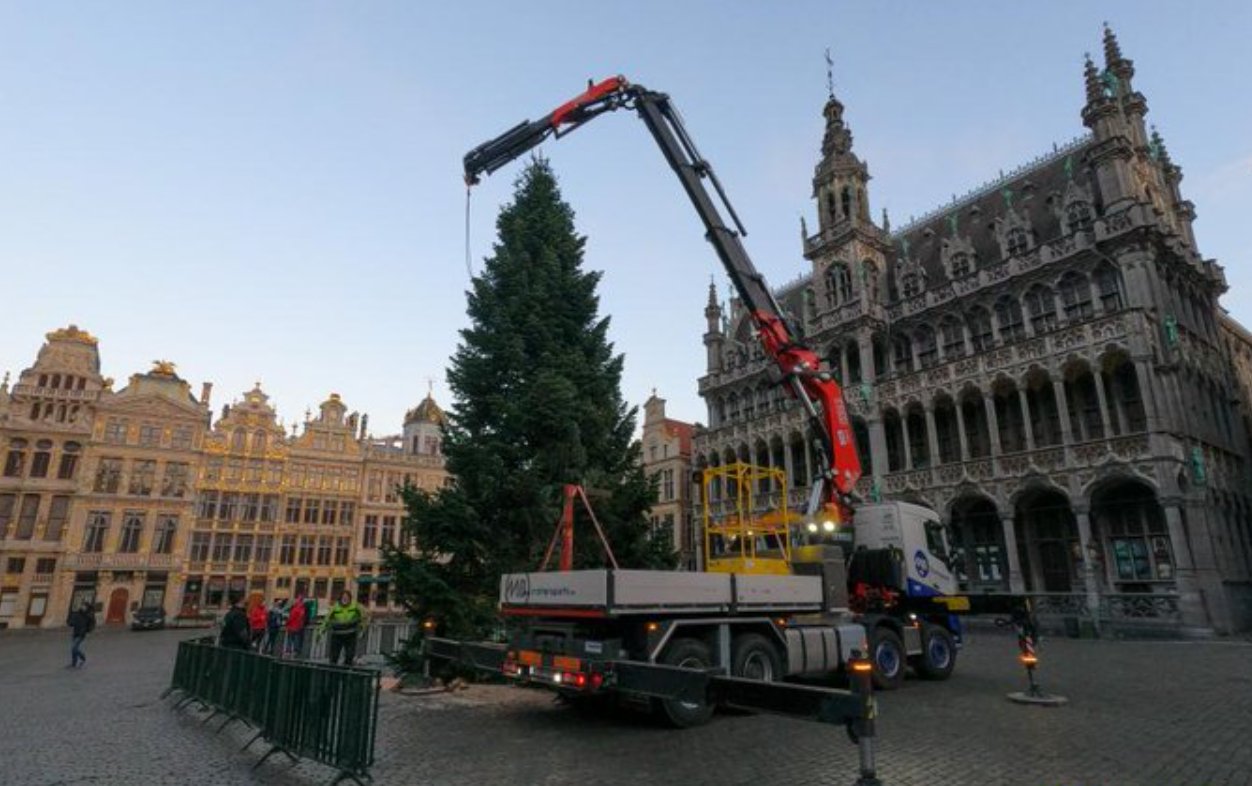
pixel 1095 90
pixel 1112 49
pixel 830 75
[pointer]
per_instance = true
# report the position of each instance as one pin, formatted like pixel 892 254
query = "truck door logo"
pixel 517 589
pixel 921 564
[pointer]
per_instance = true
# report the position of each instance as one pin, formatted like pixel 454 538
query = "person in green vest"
pixel 345 622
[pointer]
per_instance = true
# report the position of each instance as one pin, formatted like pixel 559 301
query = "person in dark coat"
pixel 235 631
pixel 81 621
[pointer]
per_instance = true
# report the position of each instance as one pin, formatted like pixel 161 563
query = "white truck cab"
pixel 918 535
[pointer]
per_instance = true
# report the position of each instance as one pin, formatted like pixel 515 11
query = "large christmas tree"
pixel 537 404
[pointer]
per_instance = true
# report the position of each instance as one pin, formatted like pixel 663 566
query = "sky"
pixel 272 191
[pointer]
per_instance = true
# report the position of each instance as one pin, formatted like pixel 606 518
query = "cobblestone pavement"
pixel 1141 714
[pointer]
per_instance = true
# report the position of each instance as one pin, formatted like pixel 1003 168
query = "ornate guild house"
pixel 1043 361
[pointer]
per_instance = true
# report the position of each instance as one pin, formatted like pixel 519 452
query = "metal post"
pixel 861 671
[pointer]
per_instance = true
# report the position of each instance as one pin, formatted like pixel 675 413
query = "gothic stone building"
pixel 1042 361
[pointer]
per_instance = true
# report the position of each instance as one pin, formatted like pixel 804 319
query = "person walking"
pixel 295 627
pixel 235 632
pixel 256 624
pixel 345 622
pixel 81 621
pixel 274 626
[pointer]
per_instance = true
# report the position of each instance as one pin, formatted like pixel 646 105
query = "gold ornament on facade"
pixel 72 333
pixel 163 368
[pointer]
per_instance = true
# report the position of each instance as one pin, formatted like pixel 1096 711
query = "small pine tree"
pixel 537 404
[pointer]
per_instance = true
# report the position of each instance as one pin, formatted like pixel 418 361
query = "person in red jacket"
pixel 295 627
pixel 256 622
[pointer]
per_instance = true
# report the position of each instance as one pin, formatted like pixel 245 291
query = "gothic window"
pixel 1009 318
pixel 980 332
pixel 838 284
pixel 953 338
pixel 869 279
pixel 831 209
pixel 259 440
pixel 910 285
pixel 1041 307
pixel 845 201
pixel 902 353
pixel 1017 241
pixel 961 264
pixel 927 347
pixel 1078 216
pixel 1076 296
pixel 1109 288
pixel 237 439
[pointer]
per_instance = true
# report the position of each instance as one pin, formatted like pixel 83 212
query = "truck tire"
pixel 938 657
pixel 887 651
pixel 689 654
pixel 754 657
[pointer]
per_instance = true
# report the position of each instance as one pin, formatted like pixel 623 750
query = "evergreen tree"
pixel 537 404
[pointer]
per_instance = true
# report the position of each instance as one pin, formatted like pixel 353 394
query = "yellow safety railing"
pixel 745 540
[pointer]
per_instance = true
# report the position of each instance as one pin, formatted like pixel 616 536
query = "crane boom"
pixel 796 366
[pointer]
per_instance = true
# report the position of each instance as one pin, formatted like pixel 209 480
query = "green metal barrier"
pixel 325 713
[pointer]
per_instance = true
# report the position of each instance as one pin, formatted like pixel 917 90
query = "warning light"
pixel 653 627
pixel 862 666
pixel 1029 660
pixel 428 624
pixel 828 525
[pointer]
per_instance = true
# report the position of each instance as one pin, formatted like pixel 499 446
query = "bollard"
pixel 861 674
pixel 1030 660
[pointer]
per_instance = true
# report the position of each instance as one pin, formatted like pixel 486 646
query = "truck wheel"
pixel 688 654
pixel 938 657
pixel 889 658
pixel 754 657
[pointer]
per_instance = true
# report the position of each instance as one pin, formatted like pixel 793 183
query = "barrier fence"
pixel 328 714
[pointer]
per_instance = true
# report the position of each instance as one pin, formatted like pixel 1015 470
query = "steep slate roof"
pixel 1030 188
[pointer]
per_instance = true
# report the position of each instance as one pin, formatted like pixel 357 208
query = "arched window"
pixel 838 284
pixel 1078 216
pixel 1109 288
pixel 1076 296
pixel 1017 241
pixel 927 348
pixel 259 439
pixel 1009 318
pixel 980 333
pixel 238 439
pixel 1041 307
pixel 845 201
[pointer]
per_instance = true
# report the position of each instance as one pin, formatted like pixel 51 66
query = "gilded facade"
pixel 138 497
pixel 45 427
pixel 1043 361
pixel 134 504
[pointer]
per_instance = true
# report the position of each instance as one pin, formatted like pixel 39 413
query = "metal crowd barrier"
pixel 328 714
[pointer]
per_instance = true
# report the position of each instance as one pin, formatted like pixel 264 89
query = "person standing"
pixel 274 627
pixel 256 623
pixel 295 627
pixel 81 621
pixel 345 622
pixel 235 632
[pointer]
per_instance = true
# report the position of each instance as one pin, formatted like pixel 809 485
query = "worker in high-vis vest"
pixel 345 622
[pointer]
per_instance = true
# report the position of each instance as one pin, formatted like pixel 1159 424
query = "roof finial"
pixel 1095 90
pixel 830 75
pixel 1112 50
pixel 430 387
pixel 886 220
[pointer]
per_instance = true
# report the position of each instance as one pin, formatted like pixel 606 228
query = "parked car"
pixel 148 618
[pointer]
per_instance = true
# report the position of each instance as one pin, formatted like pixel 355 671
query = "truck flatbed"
pixel 615 593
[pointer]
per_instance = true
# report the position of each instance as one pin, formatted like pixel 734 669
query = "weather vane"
pixel 830 74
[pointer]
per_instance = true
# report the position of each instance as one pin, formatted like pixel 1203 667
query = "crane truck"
pixel 871 580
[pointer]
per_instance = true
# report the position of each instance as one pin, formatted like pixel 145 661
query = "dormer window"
pixel 1078 216
pixel 961 264
pixel 910 285
pixel 1017 241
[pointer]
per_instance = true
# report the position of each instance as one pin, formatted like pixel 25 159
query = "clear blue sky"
pixel 272 190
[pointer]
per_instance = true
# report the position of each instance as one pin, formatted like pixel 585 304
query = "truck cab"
pixel 919 537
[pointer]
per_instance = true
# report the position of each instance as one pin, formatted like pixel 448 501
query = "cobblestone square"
pixel 1141 714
